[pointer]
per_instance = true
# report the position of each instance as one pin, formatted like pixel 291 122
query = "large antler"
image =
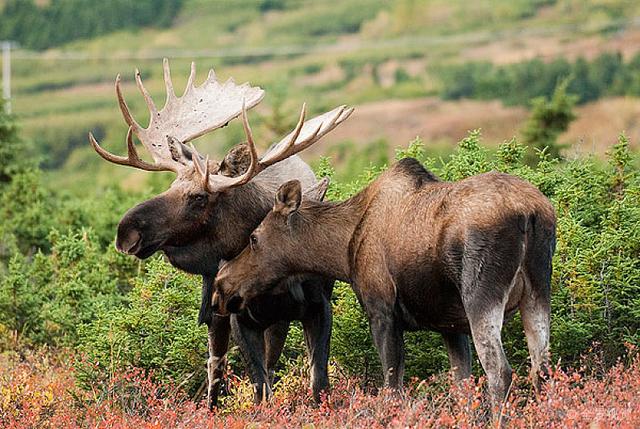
pixel 199 110
pixel 304 135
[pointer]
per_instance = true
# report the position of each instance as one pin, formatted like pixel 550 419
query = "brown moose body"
pixel 453 257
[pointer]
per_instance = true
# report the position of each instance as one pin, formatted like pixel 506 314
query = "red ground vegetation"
pixel 37 390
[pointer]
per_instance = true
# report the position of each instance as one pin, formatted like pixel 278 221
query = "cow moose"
pixel 209 211
pixel 420 253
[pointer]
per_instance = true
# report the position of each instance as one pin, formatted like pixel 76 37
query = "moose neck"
pixel 330 229
pixel 239 212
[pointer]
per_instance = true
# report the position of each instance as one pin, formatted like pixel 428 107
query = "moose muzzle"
pixel 226 298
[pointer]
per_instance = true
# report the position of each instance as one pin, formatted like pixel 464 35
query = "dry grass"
pixel 597 125
pixel 399 121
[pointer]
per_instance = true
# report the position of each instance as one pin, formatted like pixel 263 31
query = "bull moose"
pixel 209 211
pixel 420 253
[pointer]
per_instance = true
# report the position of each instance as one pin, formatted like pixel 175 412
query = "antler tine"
pixel 192 77
pixel 298 128
pixel 249 134
pixel 202 170
pixel 341 116
pixel 196 159
pixel 288 148
pixel 205 174
pixel 218 183
pixel 124 108
pixel 167 80
pixel 254 166
pixel 132 153
pixel 337 116
pixel 132 160
pixel 147 98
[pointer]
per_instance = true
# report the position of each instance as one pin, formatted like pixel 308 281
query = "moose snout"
pixel 226 298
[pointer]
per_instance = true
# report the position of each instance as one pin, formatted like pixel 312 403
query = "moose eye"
pixel 199 198
pixel 253 240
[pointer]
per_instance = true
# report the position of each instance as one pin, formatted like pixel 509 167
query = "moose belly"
pixel 433 304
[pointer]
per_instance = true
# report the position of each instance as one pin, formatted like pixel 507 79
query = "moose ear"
pixel 317 191
pixel 179 150
pixel 288 197
pixel 236 161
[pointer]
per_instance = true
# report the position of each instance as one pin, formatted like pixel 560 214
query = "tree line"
pixel 61 21
pixel 606 75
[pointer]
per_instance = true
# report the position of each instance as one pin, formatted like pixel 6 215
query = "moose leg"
pixel 490 273
pixel 535 314
pixel 218 339
pixel 251 343
pixel 388 339
pixel 317 333
pixel 274 339
pixel 459 354
pixel 486 325
pixel 535 309
pixel 535 305
pixel 376 292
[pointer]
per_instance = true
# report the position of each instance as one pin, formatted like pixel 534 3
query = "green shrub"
pixel 606 75
pixel 45 298
pixel 549 119
pixel 40 27
pixel 12 148
pixel 157 330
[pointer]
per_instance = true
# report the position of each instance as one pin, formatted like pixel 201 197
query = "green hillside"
pixel 324 52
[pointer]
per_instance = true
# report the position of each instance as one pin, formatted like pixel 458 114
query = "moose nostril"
pixel 128 242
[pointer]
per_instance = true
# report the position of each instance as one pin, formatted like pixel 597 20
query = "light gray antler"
pixel 199 110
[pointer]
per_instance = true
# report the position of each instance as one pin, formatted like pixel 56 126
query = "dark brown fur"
pixel 453 257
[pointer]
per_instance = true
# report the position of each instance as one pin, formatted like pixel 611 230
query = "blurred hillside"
pixel 432 68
